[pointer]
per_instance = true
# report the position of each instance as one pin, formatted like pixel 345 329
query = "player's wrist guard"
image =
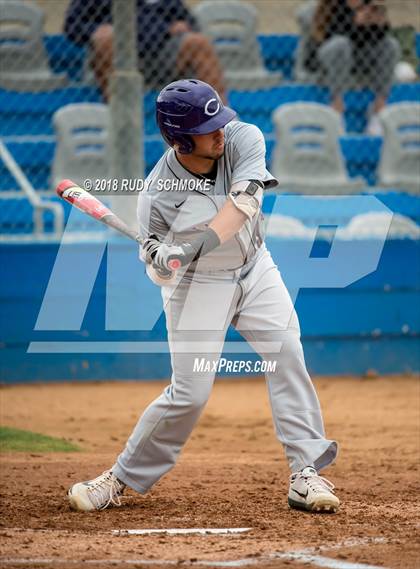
pixel 190 252
pixel 161 255
pixel 202 245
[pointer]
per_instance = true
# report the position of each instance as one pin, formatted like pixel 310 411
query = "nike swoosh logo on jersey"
pixel 300 493
pixel 178 205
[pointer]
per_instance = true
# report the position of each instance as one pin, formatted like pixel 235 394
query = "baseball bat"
pixel 84 201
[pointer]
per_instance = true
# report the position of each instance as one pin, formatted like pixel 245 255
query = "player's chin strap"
pixel 247 196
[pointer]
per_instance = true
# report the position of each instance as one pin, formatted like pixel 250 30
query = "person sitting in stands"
pixel 168 43
pixel 349 36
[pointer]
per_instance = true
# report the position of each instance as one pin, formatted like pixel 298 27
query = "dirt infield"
pixel 232 474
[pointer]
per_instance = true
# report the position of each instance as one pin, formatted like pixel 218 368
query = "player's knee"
pixel 337 48
pixel 291 350
pixel 197 400
pixel 391 50
pixel 194 399
pixel 284 347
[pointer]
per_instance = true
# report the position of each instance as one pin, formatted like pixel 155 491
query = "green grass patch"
pixel 26 441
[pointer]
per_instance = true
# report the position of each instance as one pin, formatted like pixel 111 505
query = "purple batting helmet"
pixel 186 107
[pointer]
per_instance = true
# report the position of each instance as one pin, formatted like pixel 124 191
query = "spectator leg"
pixel 197 52
pixel 102 52
pixel 336 57
pixel 380 60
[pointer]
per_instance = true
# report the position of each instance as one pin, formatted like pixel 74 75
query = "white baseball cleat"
pixel 96 494
pixel 311 492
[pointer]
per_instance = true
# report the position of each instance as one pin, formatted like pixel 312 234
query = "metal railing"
pixel 37 203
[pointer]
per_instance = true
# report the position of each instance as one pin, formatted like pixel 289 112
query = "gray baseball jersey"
pixel 177 215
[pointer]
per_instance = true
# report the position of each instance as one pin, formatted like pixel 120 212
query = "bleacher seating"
pixel 26 125
pixel 30 114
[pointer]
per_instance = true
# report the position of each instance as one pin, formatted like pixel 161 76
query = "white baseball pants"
pixel 198 314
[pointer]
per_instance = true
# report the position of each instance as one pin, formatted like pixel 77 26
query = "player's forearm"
pixel 228 222
pixel 243 204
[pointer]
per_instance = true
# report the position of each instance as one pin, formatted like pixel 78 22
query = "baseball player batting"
pixel 227 276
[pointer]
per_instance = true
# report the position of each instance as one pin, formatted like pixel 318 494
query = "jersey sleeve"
pixel 248 155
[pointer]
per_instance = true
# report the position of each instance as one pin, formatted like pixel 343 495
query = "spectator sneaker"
pixel 96 494
pixel 311 492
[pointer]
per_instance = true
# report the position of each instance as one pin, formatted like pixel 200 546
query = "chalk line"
pixel 180 531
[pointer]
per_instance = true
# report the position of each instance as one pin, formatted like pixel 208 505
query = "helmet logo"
pixel 209 111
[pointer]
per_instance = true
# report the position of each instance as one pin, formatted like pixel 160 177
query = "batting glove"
pixel 171 257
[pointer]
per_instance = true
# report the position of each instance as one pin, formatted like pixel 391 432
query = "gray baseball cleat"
pixel 96 494
pixel 311 492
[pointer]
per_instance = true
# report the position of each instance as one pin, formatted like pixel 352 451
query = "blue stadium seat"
pixel 278 52
pixel 30 113
pixel 268 99
pixel 65 56
pixel 361 154
pixel 405 92
pixel 256 107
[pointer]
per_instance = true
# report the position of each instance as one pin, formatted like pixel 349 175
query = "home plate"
pixel 180 531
